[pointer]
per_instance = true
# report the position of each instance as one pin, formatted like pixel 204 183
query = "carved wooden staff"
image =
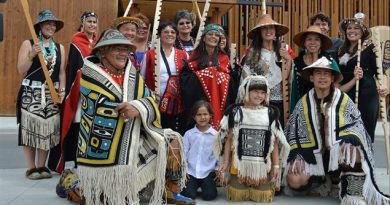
pixel 156 46
pixel 53 93
pixel 286 68
pixel 128 8
pixel 382 100
pixel 359 51
pixel 233 53
pixel 202 22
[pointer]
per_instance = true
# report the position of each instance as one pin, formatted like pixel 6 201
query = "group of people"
pixel 146 123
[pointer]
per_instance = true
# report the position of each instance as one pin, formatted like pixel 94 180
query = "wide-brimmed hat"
pixel 118 22
pixel 112 37
pixel 344 24
pixel 266 20
pixel 326 42
pixel 325 63
pixel 47 15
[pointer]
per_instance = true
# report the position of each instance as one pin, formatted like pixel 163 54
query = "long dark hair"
pixel 345 47
pixel 257 44
pixel 201 55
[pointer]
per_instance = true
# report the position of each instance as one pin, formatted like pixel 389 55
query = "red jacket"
pixel 180 58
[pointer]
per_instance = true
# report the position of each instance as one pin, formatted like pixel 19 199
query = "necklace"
pixel 120 75
pixel 49 54
pixel 182 45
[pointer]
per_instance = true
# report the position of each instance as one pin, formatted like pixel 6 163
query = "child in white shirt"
pixel 198 148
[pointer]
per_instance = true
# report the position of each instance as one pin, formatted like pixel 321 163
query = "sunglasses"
pixel 184 22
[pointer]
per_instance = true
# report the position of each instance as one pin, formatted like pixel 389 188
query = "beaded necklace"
pixel 49 54
pixel 182 45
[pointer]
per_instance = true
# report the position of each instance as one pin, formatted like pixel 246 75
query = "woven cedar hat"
pixel 326 42
pixel 322 63
pixel 344 24
pixel 112 37
pixel 118 22
pixel 266 20
pixel 47 15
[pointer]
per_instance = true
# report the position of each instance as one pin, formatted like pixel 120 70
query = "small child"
pixel 249 143
pixel 198 149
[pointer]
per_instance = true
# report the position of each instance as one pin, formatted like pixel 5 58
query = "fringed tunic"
pixel 37 116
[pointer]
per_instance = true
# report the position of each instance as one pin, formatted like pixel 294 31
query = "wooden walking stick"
pixel 202 22
pixel 359 51
pixel 53 93
pixel 382 100
pixel 128 8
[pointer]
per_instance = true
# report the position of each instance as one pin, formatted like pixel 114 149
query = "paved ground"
pixel 15 189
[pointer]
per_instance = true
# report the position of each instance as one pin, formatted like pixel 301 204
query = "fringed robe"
pixel 252 147
pixel 117 159
pixel 345 134
pixel 79 49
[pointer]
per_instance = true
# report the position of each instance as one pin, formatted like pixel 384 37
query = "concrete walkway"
pixel 16 189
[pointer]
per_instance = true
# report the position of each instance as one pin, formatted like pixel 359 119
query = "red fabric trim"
pixel 150 66
pixel 80 40
pixel 215 84
pixel 69 109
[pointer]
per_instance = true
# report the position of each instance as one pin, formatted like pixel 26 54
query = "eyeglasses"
pixel 213 33
pixel 184 22
pixel 143 27
pixel 120 49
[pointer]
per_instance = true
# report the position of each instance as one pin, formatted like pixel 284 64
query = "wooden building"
pixel 239 16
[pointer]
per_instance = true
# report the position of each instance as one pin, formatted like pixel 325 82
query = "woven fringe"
pixel 234 194
pixel 170 134
pixel 39 132
pixel 158 174
pixel 253 173
pixel 113 183
pixel 370 193
pixel 346 156
pixel 223 132
pixel 261 196
pixel 334 157
pixel 353 200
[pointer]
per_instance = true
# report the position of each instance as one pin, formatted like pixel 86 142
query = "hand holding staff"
pixel 358 67
pixel 53 93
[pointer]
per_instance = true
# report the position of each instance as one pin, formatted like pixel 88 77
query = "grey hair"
pixel 180 14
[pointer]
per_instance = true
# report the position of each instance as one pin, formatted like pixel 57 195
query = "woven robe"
pixel 79 49
pixel 117 159
pixel 345 134
pixel 254 134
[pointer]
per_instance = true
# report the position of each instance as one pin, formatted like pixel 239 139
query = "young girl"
pixel 201 162
pixel 252 135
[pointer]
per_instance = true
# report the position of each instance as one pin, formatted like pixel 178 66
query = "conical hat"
pixel 326 42
pixel 322 63
pixel 112 37
pixel 266 20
